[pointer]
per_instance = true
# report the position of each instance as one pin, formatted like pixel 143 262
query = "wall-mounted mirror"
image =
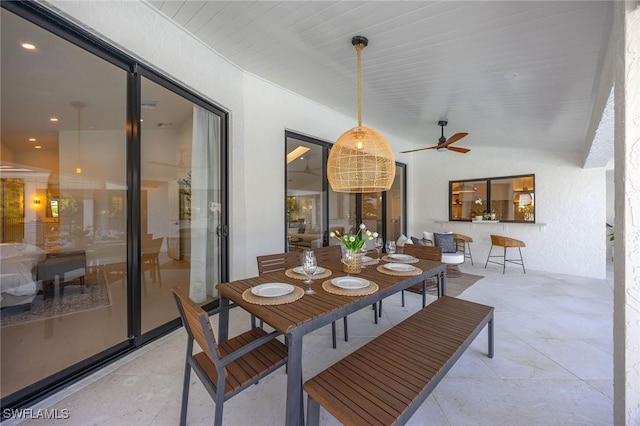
pixel 504 199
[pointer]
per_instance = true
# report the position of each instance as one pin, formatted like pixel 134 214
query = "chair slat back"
pixel 196 322
pixel 277 262
pixel 424 252
pixel 328 253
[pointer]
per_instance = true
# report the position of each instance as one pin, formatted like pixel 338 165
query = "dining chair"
pixel 274 263
pixel 327 254
pixel 426 253
pixel 278 262
pixel 225 369
pixel 150 259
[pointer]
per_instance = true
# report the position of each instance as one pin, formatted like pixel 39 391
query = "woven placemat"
pixel 371 262
pixel 330 288
pixel 391 259
pixel 382 269
pixel 293 274
pixel 296 294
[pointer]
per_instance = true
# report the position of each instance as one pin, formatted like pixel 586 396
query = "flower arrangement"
pixel 354 242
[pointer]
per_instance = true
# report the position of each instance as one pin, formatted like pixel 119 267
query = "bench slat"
pixel 386 380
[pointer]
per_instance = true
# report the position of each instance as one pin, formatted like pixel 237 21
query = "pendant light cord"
pixel 359 48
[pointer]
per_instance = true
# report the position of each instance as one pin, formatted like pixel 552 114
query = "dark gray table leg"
pixel 490 325
pixel 294 416
pixel 223 324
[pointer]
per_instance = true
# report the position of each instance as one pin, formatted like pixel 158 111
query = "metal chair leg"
pixel 504 260
pixel 487 262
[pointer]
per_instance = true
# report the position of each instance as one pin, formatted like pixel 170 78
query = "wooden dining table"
pixel 311 312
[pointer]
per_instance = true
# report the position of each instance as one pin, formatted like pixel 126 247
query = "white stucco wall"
pixel 571 200
pixel 626 337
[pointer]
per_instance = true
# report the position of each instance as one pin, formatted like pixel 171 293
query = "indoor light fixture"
pixel 361 159
pixel 78 106
pixel 299 151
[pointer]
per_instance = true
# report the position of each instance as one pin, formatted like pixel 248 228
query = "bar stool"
pixel 462 244
pixel 505 242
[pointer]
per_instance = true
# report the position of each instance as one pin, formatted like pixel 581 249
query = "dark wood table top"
pixel 314 311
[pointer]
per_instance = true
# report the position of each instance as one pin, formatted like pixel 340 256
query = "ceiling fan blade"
pixel 419 149
pixel 455 138
pixel 457 149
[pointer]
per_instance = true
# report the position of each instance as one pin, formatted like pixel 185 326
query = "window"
pixel 505 199
pixel 313 209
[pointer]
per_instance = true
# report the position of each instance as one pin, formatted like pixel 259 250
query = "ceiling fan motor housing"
pixel 442 139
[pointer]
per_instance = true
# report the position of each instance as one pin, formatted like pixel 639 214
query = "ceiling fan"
pixel 307 170
pixel 181 164
pixel 444 144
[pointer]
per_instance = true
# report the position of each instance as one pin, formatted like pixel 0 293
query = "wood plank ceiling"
pixel 512 74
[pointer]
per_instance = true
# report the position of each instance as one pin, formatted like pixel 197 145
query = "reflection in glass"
pixel 506 199
pixel 67 288
pixel 180 205
pixel 305 195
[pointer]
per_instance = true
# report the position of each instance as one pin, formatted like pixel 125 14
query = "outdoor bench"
pixel 385 381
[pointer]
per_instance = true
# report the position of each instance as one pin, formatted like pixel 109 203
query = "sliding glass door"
pixel 112 191
pixel 180 202
pixel 63 211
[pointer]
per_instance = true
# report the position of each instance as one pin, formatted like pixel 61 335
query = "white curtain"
pixel 205 211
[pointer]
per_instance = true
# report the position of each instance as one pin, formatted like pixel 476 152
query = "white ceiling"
pixel 511 73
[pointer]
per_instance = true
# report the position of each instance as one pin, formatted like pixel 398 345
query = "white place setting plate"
pixel 300 270
pixel 399 267
pixel 402 257
pixel 350 283
pixel 272 289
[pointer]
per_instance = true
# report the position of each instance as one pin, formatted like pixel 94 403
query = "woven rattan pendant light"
pixel 361 159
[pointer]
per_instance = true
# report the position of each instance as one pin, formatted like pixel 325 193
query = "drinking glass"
pixel 309 266
pixel 379 242
pixel 391 247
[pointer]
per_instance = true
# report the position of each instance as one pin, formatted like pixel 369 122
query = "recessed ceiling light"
pixel 32 139
pixel 38 146
pixel 28 46
pixel 53 119
pixel 164 125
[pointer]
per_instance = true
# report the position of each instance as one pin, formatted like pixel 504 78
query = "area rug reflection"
pixel 96 295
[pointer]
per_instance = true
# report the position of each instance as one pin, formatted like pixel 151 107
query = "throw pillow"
pixel 417 241
pixel 445 241
pixel 402 240
pixel 428 236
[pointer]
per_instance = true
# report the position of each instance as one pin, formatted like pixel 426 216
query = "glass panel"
pixel 342 214
pixel 513 198
pixel 305 195
pixel 63 204
pixel 396 205
pixel 509 199
pixel 468 199
pixel 180 199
